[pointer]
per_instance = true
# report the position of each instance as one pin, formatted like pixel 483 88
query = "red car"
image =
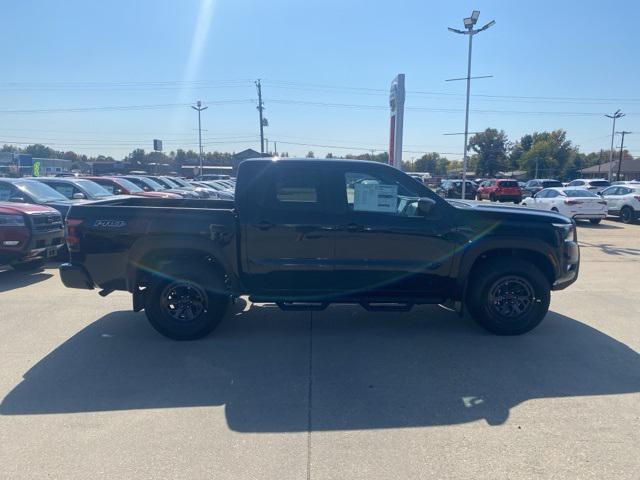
pixel 29 234
pixel 122 186
pixel 498 190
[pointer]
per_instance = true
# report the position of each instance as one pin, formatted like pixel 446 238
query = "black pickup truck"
pixel 307 233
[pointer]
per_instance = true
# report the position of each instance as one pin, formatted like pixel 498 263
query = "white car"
pixel 595 185
pixel 575 203
pixel 623 201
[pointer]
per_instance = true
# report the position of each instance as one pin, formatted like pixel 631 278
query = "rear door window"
pixel 296 189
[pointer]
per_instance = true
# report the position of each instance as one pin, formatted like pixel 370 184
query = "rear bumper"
pixel 75 276
pixel 588 216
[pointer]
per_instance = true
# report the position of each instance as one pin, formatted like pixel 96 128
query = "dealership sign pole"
pixel 396 102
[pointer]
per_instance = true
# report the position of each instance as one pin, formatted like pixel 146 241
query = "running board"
pixel 302 306
pixel 386 307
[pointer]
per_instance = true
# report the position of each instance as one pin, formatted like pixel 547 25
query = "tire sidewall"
pixel 486 278
pixel 216 303
pixel 628 219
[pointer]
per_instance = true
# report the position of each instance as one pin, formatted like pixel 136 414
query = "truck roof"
pixel 314 161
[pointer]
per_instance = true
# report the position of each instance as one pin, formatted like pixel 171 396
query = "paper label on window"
pixel 371 197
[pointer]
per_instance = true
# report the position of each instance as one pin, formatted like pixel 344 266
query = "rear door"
pixel 288 233
pixel 613 197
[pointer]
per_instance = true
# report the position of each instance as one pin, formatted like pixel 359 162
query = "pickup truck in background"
pixel 307 233
pixel 29 235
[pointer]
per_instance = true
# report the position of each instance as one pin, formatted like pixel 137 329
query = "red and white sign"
pixel 396 102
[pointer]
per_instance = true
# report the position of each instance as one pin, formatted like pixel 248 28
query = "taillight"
pixel 72 238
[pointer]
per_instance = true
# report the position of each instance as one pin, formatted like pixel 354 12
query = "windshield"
pixel 130 186
pixel 149 183
pixel 92 188
pixel 39 191
pixel 508 183
pixel 599 183
pixel 181 183
pixel 579 193
pixel 171 182
pixel 551 184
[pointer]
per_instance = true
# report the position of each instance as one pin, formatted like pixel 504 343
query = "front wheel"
pixel 509 297
pixel 186 303
pixel 595 221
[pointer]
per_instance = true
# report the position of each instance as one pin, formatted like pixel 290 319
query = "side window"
pixel 6 192
pixel 623 191
pixel 66 190
pixel 107 186
pixel 552 194
pixel 542 194
pixel 380 193
pixel 295 189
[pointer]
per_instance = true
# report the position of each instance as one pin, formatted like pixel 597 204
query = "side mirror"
pixel 425 205
pixel 78 196
pixel 17 200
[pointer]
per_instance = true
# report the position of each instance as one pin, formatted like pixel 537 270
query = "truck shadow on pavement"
pixel 340 369
pixel 13 279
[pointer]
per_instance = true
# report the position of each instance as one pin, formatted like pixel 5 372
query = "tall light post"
pixel 617 114
pixel 469 23
pixel 200 108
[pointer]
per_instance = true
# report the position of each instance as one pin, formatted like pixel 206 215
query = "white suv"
pixel 595 185
pixel 624 201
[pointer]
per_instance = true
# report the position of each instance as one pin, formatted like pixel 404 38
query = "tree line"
pixel 491 151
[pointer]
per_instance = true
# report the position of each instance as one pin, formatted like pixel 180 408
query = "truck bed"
pixel 115 235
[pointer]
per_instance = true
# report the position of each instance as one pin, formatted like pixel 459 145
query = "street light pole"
pixel 617 114
pixel 200 108
pixel 469 23
pixel 623 133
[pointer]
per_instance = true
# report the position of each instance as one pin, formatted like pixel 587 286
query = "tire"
pixel 478 197
pixel 30 265
pixel 554 209
pixel 505 278
pixel 492 197
pixel 187 303
pixel 595 221
pixel 627 215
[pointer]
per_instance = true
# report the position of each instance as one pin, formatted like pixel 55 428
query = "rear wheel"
pixel 595 221
pixel 627 215
pixel 492 197
pixel 187 302
pixel 30 265
pixel 509 297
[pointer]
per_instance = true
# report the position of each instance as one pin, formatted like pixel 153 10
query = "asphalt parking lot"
pixel 89 390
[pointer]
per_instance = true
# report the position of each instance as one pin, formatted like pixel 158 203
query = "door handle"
pixel 354 227
pixel 265 225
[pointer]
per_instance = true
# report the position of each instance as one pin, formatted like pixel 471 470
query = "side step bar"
pixel 302 306
pixel 387 307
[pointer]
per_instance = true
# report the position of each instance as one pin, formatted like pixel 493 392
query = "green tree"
pixel 40 151
pixel 428 163
pixel 490 148
pixel 137 157
pixel 310 154
pixel 551 153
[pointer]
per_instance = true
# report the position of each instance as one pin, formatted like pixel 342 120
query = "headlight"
pixel 567 230
pixel 11 221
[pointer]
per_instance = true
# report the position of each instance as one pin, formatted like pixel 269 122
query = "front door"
pixel 385 246
pixel 288 236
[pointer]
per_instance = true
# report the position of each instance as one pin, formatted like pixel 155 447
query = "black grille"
pixel 46 222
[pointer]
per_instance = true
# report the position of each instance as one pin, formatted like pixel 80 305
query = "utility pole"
pixel 200 108
pixel 599 162
pixel 469 23
pixel 275 149
pixel 266 147
pixel 623 133
pixel 537 161
pixel 260 109
pixel 617 114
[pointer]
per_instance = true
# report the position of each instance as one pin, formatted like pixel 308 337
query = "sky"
pixel 108 77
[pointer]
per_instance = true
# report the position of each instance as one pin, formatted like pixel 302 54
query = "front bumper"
pixel 589 216
pixel 75 276
pixel 570 266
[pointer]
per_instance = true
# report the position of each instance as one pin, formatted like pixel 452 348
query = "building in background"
pixel 629 170
pixel 241 156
